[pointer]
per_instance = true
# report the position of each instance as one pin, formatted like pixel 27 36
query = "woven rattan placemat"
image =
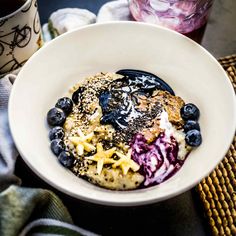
pixel 217 192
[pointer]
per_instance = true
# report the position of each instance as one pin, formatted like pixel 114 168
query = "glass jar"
pixel 184 16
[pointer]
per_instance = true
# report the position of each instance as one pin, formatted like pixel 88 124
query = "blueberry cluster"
pixel 56 118
pixel 190 114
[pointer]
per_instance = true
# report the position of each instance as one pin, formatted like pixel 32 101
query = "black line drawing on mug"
pixel 36 24
pixel 21 38
pixel 26 9
pixel 2 22
pixel 13 63
pixel 36 4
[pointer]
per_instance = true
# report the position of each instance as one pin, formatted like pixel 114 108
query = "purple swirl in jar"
pixel 183 16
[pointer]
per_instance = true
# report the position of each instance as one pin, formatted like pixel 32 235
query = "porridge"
pixel 123 130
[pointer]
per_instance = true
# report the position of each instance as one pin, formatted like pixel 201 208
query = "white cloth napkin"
pixel 114 11
pixel 67 19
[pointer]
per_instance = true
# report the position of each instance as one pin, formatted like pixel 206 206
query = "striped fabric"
pixel 31 211
pixel 53 227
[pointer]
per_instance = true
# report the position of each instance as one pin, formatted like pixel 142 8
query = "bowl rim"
pixel 115 201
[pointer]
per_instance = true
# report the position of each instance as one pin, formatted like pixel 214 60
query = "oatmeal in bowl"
pixel 124 130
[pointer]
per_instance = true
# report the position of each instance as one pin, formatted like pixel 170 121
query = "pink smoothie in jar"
pixel 184 16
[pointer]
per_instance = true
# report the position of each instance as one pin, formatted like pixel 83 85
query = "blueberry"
pixel 76 96
pixel 65 104
pixel 189 112
pixel 57 146
pixel 56 117
pixel 66 158
pixel 193 138
pixel 191 124
pixel 104 100
pixel 56 133
pixel 108 118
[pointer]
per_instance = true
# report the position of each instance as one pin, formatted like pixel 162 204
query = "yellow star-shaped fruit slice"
pixel 102 157
pixel 82 142
pixel 125 162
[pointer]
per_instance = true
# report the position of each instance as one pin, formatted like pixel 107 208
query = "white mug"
pixel 20 36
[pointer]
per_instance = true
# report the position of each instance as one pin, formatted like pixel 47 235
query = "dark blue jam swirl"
pixel 145 80
pixel 120 102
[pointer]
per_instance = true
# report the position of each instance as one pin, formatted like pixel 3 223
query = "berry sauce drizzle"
pixel 159 160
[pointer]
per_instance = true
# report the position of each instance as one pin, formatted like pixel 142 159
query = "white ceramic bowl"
pixel 189 69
